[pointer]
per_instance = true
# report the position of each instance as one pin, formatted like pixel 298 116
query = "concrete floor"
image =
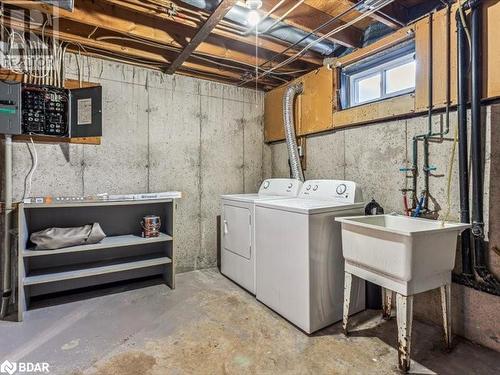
pixel 210 326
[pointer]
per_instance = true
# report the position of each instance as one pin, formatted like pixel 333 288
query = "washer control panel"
pixel 338 190
pixel 280 186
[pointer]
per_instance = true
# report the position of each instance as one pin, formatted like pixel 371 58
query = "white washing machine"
pixel 299 262
pixel 238 235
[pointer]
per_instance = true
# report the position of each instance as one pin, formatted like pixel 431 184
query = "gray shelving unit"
pixel 122 255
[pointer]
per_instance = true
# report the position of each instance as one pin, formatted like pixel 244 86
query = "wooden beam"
pixel 101 14
pixel 264 43
pixel 128 49
pixel 202 34
pixel 393 15
pixel 308 18
pixel 337 7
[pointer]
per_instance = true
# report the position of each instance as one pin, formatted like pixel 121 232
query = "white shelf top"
pixel 127 202
pixel 107 243
pixel 94 271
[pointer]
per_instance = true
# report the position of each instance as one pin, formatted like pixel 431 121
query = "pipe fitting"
pixel 478 230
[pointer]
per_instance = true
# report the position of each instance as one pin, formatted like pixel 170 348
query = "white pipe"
pixel 281 18
pixel 6 260
pixel 379 5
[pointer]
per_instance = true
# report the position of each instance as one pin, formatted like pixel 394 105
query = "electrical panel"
pixel 85 112
pixel 47 110
pixel 10 99
pixel 44 110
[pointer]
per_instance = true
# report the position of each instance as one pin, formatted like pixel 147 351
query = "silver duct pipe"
pixel 281 30
pixel 291 141
pixel 6 261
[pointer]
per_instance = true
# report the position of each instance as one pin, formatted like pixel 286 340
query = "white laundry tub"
pixel 404 254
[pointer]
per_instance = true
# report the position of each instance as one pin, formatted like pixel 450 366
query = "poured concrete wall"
pixel 160 133
pixel 372 155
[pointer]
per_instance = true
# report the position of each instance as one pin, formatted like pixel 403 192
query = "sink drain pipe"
pixel 489 282
pixel 477 152
pixel 291 140
pixel 463 67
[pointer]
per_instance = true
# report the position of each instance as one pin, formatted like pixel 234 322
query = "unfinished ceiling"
pixel 211 38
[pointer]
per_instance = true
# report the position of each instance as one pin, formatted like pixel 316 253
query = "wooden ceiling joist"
pixel 159 58
pixel 264 43
pixel 202 34
pixel 393 15
pixel 111 18
pixel 173 36
pixel 309 18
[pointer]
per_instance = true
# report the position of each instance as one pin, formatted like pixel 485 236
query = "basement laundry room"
pixel 249 187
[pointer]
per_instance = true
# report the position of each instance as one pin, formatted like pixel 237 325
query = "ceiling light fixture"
pixel 253 17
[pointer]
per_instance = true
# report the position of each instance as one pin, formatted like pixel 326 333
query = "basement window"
pixel 384 75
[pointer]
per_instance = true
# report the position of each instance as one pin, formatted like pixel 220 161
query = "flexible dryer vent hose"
pixel 291 141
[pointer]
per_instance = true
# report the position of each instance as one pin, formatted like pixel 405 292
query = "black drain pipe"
pixel 476 147
pixel 488 282
pixel 463 62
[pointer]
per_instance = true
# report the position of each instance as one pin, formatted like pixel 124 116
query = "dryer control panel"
pixel 280 186
pixel 338 190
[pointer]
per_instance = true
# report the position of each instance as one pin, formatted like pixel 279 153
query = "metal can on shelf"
pixel 151 225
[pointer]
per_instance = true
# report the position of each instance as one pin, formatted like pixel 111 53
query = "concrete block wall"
pixel 160 133
pixel 371 155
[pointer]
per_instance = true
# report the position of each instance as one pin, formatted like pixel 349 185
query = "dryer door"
pixel 237 230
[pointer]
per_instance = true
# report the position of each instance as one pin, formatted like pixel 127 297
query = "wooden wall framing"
pixel 321 95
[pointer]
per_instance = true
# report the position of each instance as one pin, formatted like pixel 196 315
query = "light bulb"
pixel 253 18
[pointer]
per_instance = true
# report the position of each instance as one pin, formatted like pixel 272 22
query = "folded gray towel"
pixel 57 238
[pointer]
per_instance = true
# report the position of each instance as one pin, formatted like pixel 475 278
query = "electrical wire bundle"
pixel 40 61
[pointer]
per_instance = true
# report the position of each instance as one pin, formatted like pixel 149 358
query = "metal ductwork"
pixel 281 30
pixel 291 141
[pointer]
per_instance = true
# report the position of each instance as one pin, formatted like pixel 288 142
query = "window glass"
pixel 400 78
pixel 368 88
pixel 384 75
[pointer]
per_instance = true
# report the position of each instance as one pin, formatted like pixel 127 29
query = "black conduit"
pixel 463 62
pixel 477 151
pixel 489 283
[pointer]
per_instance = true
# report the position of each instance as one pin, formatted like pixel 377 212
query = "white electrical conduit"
pixel 376 7
pixel 34 165
pixel 197 55
pixel 279 19
pixel 291 140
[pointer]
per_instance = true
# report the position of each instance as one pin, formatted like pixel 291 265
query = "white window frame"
pixel 382 71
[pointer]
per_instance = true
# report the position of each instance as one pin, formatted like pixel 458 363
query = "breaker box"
pixel 46 110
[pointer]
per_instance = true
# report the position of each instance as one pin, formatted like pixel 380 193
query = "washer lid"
pixel 251 198
pixel 273 188
pixel 308 206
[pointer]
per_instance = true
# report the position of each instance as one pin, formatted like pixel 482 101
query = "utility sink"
pixel 404 254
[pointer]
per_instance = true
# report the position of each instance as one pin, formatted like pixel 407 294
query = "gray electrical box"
pixel 10 108
pixel 47 110
pixel 85 112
